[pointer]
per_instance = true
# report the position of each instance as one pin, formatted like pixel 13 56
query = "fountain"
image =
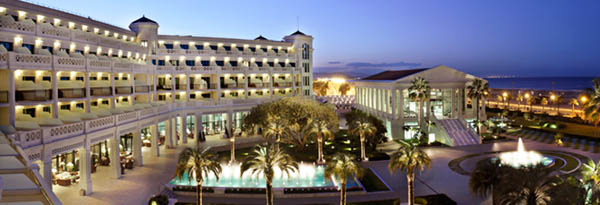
pixel 523 158
pixel 307 175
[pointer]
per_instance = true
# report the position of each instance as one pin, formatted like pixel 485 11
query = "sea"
pixel 542 83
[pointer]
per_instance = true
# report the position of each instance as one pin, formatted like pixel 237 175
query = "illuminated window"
pixel 305 51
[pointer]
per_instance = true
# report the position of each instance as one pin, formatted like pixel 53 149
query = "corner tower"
pixel 303 45
pixel 147 32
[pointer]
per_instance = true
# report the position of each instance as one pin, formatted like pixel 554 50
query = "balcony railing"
pixel 120 90
pixel 232 68
pixel 71 92
pixel 164 87
pixel 142 88
pixel 29 61
pixel 99 65
pixel 101 91
pixel 282 84
pixel 203 86
pixel 33 95
pixel 68 63
pixel 18 26
pixel 257 85
pixel 233 86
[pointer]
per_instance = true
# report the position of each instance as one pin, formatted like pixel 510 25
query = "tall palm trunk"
pixel 420 113
pixel 363 153
pixel 343 194
pixel 320 146
pixel 411 185
pixel 269 191
pixel 198 192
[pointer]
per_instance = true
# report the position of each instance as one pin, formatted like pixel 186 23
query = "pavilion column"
pixel 47 168
pixel 453 103
pixel 176 132
pixel 85 168
pixel 115 157
pixel 154 144
pixel 88 92
pixel 401 105
pixel 183 128
pixel 137 147
pixel 394 104
pixel 169 130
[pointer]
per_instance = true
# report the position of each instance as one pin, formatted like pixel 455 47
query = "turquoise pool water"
pixel 307 176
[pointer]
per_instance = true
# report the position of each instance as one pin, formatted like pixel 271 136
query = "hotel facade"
pixel 386 95
pixel 76 93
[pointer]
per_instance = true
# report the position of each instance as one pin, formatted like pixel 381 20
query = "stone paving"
pixel 139 184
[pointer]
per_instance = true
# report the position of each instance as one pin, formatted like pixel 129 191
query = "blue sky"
pixel 509 37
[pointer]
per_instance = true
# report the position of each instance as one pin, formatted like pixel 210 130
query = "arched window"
pixel 305 51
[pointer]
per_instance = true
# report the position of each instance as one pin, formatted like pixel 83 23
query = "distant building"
pixel 385 95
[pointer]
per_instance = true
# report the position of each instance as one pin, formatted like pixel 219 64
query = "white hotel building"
pixel 385 95
pixel 72 88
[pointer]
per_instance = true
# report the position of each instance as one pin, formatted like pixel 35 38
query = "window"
pixel 29 111
pixel 28 78
pixel 105 102
pixel 94 103
pixel 192 96
pixel 306 80
pixel 93 78
pixel 79 78
pixel 306 92
pixel 65 78
pixel 105 78
pixel 46 109
pixel 184 46
pixel 79 105
pixel 190 63
pixel 169 46
pixel 305 51
pixel 47 78
pixel 144 43
pixel 306 67
pixel 162 97
pixel 65 107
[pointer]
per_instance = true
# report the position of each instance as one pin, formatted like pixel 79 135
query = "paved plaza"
pixel 137 185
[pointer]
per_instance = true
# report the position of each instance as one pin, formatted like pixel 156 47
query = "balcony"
pixel 282 84
pixel 99 65
pixel 164 87
pixel 123 90
pixel 142 88
pixel 165 68
pixel 29 61
pixel 258 84
pixel 100 91
pixel 180 86
pixel 234 85
pixel 203 86
pixel 233 68
pixel 71 92
pixel 69 63
pixel 7 23
pixel 33 95
pixel 48 30
pixel 205 68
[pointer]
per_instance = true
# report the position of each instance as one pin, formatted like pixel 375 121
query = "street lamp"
pixel 553 99
pixel 583 99
pixel 504 96
pixel 527 100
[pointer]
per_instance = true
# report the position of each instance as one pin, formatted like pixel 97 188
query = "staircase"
pixel 19 183
pixel 459 133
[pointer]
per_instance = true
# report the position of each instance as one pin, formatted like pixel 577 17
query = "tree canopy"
pixel 296 114
pixel 359 116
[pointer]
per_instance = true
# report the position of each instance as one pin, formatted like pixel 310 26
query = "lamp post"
pixel 527 100
pixel 232 140
pixel 553 100
pixel 504 96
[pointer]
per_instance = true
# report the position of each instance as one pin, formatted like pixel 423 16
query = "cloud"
pixel 381 65
pixel 334 62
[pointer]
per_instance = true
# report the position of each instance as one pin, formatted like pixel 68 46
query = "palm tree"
pixel 195 163
pixel 363 129
pixel 591 172
pixel 263 160
pixel 344 88
pixel 558 139
pixel 592 106
pixel 408 158
pixel 341 167
pixel 420 91
pixel 534 186
pixel 486 178
pixel 274 130
pixel 519 99
pixel 477 91
pixel 573 102
pixel 321 130
pixel 544 104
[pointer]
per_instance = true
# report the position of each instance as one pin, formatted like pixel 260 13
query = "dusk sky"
pixel 522 38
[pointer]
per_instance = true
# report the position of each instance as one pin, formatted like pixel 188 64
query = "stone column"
pixel 230 123
pixel 173 90
pixel 187 88
pixel 137 147
pixel 111 77
pixel 155 135
pixel 85 168
pixel 115 157
pixel 199 127
pixel 453 103
pixel 394 104
pixel 88 92
pixel 54 94
pixel 11 98
pixel 47 168
pixel 183 128
pixel 401 105
pixel 169 132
